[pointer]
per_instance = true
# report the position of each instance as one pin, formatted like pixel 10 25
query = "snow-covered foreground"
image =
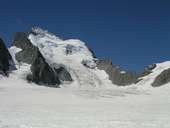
pixel 24 105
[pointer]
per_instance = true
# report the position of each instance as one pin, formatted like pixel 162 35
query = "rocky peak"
pixel 41 71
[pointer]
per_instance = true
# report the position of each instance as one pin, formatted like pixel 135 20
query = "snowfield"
pixel 25 105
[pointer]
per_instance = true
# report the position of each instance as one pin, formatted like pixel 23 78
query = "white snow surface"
pixel 26 105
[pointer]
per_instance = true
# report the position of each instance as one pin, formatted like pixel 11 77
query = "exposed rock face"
pixel 117 76
pixel 63 74
pixel 42 72
pixel 148 70
pixel 5 59
pixel 89 64
pixel 162 79
pixel 29 52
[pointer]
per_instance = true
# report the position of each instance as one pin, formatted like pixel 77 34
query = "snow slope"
pixel 149 79
pixel 25 105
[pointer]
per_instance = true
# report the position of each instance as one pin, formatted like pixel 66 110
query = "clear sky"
pixel 133 33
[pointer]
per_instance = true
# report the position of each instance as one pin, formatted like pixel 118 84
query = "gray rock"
pixel 162 79
pixel 148 70
pixel 42 73
pixel 115 74
pixel 89 64
pixel 71 49
pixel 6 62
pixel 29 52
pixel 62 72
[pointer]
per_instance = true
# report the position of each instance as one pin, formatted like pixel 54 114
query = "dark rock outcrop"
pixel 29 52
pixel 117 76
pixel 162 79
pixel 148 70
pixel 42 73
pixel 89 64
pixel 6 62
pixel 63 74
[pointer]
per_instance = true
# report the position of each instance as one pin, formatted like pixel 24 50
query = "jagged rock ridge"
pixel 116 75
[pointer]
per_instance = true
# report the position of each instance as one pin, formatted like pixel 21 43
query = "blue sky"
pixel 133 33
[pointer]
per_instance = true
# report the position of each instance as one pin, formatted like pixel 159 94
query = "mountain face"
pixel 117 76
pixel 5 59
pixel 41 71
pixel 28 52
pixel 52 60
pixel 45 59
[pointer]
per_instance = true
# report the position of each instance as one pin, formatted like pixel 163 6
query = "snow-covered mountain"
pixel 52 61
pixel 73 55
pixel 92 93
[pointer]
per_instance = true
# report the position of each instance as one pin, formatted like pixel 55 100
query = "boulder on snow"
pixel 162 79
pixel 117 76
pixel 6 62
